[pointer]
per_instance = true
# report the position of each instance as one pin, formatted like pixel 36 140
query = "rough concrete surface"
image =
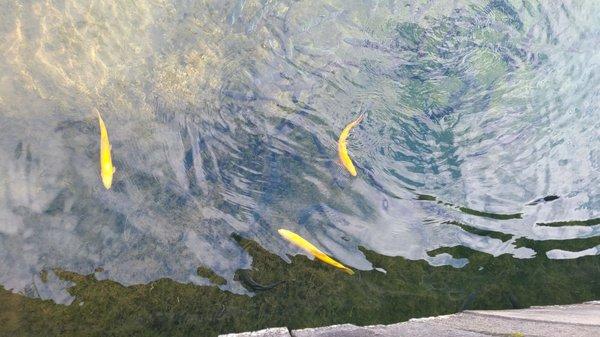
pixel 587 313
pixel 578 320
pixel 272 332
pixel 414 329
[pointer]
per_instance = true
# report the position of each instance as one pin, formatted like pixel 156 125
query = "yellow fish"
pixel 106 167
pixel 343 151
pixel 311 249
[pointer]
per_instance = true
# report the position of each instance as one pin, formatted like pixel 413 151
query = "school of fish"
pixel 107 170
pixel 349 165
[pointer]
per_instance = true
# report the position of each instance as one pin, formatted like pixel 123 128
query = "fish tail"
pixel 360 118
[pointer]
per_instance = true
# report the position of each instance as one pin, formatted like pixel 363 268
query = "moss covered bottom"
pixel 302 294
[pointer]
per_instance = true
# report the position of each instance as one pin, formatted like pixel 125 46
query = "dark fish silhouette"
pixel 249 283
pixel 547 198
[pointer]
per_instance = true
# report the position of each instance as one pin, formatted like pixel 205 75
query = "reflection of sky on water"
pixel 560 254
pixel 224 116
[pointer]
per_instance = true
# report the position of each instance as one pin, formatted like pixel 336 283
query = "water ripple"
pixel 224 118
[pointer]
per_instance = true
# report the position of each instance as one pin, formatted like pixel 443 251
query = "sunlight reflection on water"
pixel 224 118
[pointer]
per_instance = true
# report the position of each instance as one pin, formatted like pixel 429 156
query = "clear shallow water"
pixel 224 117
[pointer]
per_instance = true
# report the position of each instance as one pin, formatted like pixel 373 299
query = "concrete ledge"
pixel 272 332
pixel 578 320
pixel 412 329
pixel 585 314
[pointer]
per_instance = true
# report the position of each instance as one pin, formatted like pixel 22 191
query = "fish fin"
pixel 114 169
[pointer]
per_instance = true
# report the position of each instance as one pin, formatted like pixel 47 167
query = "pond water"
pixel 481 133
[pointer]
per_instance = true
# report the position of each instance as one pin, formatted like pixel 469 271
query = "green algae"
pixel 547 245
pixel 312 294
pixel 496 216
pixel 211 276
pixel 481 232
pixel 589 222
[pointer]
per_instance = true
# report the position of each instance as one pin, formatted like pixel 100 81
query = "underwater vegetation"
pixel 305 294
pixel 475 185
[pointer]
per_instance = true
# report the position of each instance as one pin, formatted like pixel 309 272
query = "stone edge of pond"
pixel 575 320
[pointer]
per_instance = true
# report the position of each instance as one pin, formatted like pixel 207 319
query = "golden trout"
pixel 311 249
pixel 106 166
pixel 343 151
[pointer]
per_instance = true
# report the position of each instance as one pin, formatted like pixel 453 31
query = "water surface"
pixel 481 134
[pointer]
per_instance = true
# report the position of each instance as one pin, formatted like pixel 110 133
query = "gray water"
pixel 224 117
